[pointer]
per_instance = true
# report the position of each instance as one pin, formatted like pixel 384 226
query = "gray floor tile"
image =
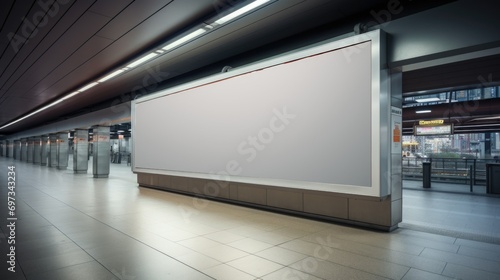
pixel 85 271
pixel 289 273
pixel 328 270
pixel 468 273
pixel 53 262
pixel 415 274
pixel 479 253
pixel 467 261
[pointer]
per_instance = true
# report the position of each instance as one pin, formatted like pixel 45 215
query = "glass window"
pixel 474 94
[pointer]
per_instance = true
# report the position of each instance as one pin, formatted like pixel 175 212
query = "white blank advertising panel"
pixel 302 123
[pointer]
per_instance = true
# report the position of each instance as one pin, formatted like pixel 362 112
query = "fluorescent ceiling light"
pixel 121 131
pixel 241 11
pixel 32 113
pixel 88 86
pixel 142 60
pixel 70 95
pixel 431 99
pixel 112 75
pixel 423 111
pixel 184 39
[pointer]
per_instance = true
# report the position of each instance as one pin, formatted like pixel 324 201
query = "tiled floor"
pixel 76 227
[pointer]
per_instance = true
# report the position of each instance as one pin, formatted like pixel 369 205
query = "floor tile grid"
pixel 28 184
pixel 449 268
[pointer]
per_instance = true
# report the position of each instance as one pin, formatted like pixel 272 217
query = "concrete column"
pixel 24 149
pixel 101 156
pixel 30 150
pixel 81 151
pixel 52 157
pixel 2 147
pixel 62 150
pixel 7 148
pixel 17 149
pixel 10 148
pixel 36 149
pixel 43 149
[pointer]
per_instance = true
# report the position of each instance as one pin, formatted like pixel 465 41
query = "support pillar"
pixel 36 150
pixel 17 149
pixel 52 158
pixel 8 145
pixel 30 150
pixel 62 150
pixel 101 156
pixel 426 174
pixel 24 149
pixel 2 147
pixel 43 150
pixel 81 151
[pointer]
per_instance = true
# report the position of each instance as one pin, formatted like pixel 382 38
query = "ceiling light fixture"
pixel 142 60
pixel 241 11
pixel 423 111
pixel 91 85
pixel 70 95
pixel 112 75
pixel 184 39
pixel 33 113
pixel 430 99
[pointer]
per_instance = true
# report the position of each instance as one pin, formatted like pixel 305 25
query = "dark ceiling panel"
pixel 78 34
pixel 14 21
pixel 109 8
pixel 474 72
pixel 129 18
pixel 58 82
pixel 75 12
pixel 4 13
pixel 15 34
pixel 46 24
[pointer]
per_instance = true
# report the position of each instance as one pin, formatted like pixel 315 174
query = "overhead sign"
pixel 431 122
pixel 433 130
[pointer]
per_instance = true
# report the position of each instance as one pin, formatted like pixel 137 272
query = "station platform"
pixel 452 210
pixel 77 227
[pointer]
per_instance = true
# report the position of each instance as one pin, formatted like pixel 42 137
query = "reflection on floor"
pixel 76 227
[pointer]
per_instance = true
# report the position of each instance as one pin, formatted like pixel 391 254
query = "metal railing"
pixel 452 170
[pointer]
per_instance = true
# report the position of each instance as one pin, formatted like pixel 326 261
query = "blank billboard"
pixel 299 123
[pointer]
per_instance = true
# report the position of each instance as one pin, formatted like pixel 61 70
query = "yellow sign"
pixel 432 122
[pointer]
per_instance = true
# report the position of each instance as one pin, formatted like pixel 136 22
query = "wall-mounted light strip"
pixel 176 43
